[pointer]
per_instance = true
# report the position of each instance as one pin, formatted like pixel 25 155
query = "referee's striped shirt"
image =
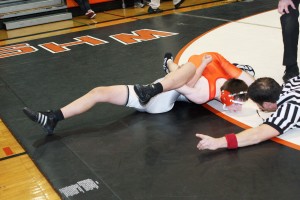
pixel 287 115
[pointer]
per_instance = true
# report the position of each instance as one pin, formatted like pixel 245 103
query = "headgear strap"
pixel 228 99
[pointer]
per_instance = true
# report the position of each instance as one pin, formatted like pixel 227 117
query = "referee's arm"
pixel 245 138
pixel 256 135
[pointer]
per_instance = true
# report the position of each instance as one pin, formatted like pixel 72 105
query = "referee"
pixel 270 97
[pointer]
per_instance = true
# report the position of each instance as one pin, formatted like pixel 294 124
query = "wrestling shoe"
pixel 143 92
pixel 246 68
pixel 146 92
pixel 179 4
pixel 165 64
pixel 46 119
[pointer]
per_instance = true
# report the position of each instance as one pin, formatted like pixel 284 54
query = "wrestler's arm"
pixel 194 94
pixel 205 61
pixel 235 72
pixel 246 77
pixel 245 138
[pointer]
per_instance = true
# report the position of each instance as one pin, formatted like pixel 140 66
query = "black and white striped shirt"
pixel 287 115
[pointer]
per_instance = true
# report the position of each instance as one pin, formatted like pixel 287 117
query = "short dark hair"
pixel 235 86
pixel 264 90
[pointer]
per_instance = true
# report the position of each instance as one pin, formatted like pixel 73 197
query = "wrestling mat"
pixel 113 152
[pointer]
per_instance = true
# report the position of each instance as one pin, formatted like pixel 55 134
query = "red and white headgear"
pixel 228 99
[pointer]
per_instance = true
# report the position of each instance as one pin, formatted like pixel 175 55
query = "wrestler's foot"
pixel 46 119
pixel 165 64
pixel 142 91
pixel 146 92
pixel 246 68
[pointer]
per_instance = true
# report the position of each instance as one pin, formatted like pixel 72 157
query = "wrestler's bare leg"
pixel 112 94
pixel 48 119
pixel 173 80
pixel 178 75
pixel 172 66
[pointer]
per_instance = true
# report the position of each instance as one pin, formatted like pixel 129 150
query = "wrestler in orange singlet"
pixel 218 68
pixel 204 77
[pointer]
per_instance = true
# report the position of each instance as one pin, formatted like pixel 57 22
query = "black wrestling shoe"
pixel 245 68
pixel 145 92
pixel 289 74
pixel 46 119
pixel 179 4
pixel 165 65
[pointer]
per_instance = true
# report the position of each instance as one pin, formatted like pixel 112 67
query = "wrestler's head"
pixel 234 94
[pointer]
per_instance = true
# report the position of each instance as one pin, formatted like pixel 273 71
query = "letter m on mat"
pixel 140 36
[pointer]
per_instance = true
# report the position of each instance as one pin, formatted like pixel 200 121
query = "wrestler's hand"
pixel 283 6
pixel 206 59
pixel 209 143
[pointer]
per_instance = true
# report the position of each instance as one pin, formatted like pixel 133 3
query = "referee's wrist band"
pixel 231 141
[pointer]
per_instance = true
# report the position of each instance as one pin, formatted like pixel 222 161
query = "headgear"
pixel 228 99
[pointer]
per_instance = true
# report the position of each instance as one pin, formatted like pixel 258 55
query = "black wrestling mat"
pixel 113 152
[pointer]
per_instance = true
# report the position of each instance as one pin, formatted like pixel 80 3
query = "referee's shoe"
pixel 289 73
